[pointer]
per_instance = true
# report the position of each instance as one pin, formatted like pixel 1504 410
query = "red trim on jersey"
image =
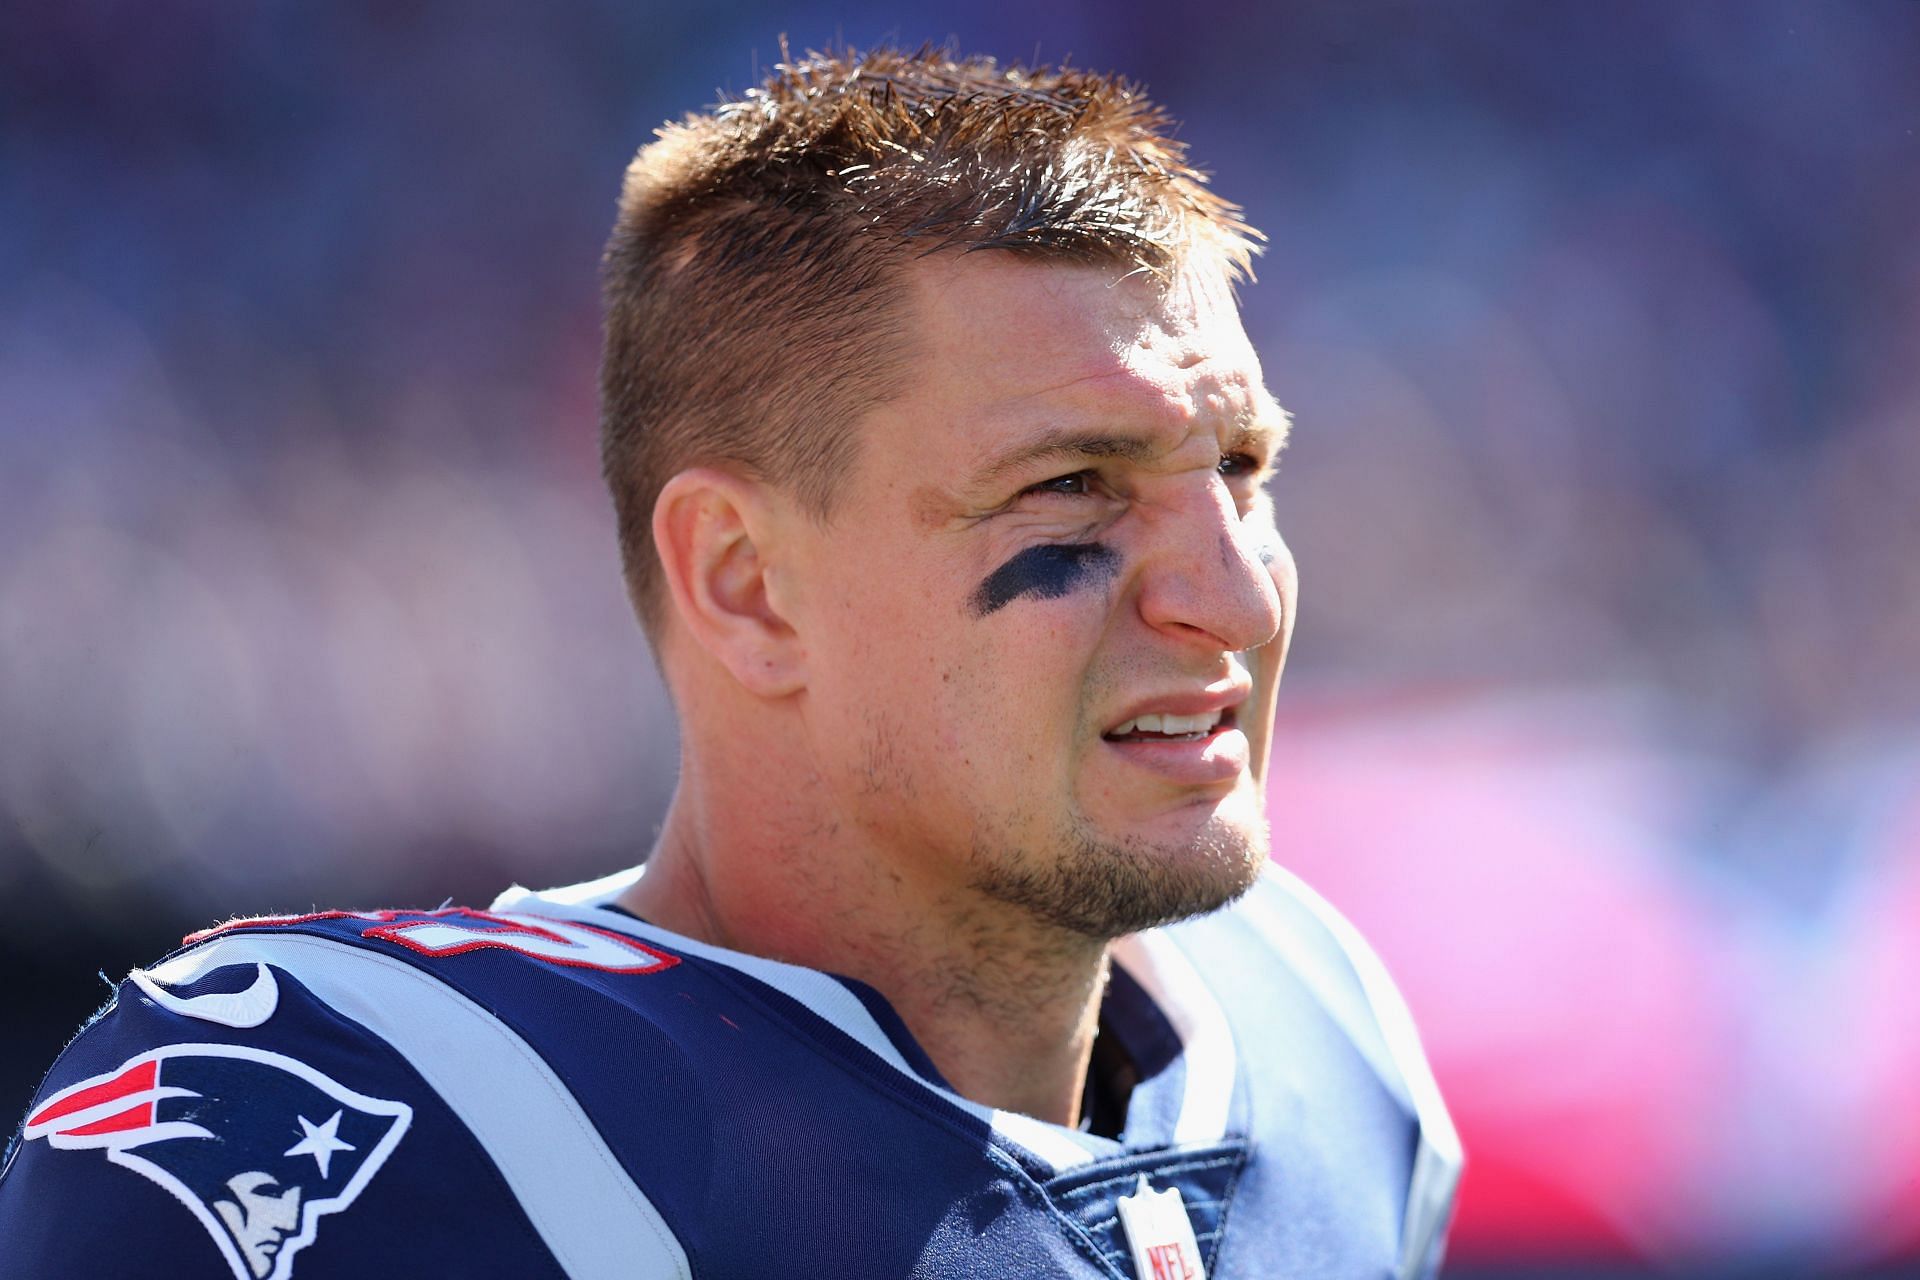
pixel 391 926
pixel 504 929
pixel 268 922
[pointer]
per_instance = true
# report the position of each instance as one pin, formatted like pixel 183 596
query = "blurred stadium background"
pixel 1602 327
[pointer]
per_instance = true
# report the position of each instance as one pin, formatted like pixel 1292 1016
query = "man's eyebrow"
pixel 1062 445
pixel 1270 429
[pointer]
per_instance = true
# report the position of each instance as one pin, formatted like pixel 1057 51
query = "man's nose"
pixel 1210 578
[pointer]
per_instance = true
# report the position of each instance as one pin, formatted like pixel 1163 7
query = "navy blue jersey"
pixel 554 1088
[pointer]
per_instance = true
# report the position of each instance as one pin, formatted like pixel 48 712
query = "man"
pixel 938 450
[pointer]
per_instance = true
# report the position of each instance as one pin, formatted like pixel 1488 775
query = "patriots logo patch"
pixel 259 1146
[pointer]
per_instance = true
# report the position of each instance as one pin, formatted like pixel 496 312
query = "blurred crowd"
pixel 1601 327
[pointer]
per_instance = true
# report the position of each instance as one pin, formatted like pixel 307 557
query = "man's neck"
pixel 1006 1008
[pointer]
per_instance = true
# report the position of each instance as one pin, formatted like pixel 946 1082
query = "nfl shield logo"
pixel 1159 1234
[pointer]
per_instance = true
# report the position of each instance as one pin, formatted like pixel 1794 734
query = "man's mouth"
pixel 1170 728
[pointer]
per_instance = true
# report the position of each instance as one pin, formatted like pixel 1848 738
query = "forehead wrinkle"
pixel 1118 370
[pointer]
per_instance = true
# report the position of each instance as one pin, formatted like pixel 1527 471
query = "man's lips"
pixel 1189 739
pixel 1220 755
pixel 1186 715
pixel 1169 727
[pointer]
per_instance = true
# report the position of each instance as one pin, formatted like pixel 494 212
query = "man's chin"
pixel 1201 818
pixel 1104 886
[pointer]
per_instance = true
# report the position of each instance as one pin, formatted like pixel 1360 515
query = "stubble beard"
pixel 1101 887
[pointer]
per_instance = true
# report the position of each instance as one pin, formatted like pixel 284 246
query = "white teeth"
pixel 1169 725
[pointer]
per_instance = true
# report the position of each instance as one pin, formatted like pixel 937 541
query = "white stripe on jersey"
pixel 1156 962
pixel 598 1227
pixel 1437 1164
pixel 826 997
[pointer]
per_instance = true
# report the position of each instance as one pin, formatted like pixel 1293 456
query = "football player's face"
pixel 1046 622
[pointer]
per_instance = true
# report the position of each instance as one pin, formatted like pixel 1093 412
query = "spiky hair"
pixel 753 314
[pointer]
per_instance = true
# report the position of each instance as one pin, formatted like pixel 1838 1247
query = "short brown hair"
pixel 750 321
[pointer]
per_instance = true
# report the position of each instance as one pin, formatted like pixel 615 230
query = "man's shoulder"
pixel 1306 944
pixel 527 961
pixel 340 1084
pixel 478 953
pixel 227 1111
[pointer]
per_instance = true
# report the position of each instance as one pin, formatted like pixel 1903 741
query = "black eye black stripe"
pixel 1045 572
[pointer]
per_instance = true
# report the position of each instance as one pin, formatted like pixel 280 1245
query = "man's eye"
pixel 1077 484
pixel 1235 465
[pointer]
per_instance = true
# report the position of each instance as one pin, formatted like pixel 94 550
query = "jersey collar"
pixel 1157 1003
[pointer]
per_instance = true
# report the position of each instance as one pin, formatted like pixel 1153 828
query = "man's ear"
pixel 716 534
